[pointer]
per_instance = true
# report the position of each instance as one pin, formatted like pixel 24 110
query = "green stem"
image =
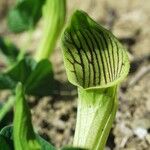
pixel 54 17
pixel 96 112
pixel 7 107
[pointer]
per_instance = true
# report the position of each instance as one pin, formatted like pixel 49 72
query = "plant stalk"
pixel 96 112
pixel 54 16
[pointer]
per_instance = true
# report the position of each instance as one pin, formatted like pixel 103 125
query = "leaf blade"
pixel 25 15
pixel 23 135
pixel 41 80
pixel 6 140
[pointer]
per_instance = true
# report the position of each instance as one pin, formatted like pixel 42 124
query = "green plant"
pixel 96 63
pixel 25 76
pixel 36 74
pixel 24 15
pixel 21 135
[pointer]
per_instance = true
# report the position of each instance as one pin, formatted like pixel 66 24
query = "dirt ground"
pixel 54 117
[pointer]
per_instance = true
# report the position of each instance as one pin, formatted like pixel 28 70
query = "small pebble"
pixel 140 132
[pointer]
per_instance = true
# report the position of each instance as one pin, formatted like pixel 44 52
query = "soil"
pixel 54 116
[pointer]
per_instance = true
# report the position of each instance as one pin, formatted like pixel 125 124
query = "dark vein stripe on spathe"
pixel 117 58
pixel 103 48
pixel 81 59
pixel 67 40
pixel 112 49
pixel 80 41
pixel 121 62
pixel 99 50
pixel 105 51
pixel 92 59
pixel 97 43
pixel 75 61
pixel 108 52
pixel 74 70
pixel 73 64
pixel 94 49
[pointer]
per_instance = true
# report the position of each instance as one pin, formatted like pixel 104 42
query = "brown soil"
pixel 54 117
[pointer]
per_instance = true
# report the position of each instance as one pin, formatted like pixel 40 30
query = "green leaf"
pixel 17 22
pixel 37 78
pixel 6 82
pixel 23 133
pixel 6 134
pixel 41 80
pixel 93 56
pixel 3 144
pixel 19 72
pixel 25 15
pixel 8 49
pixel 6 140
pixel 24 136
pixel 44 144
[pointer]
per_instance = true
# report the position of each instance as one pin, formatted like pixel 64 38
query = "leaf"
pixel 44 144
pixel 25 15
pixel 7 134
pixel 19 72
pixel 6 82
pixel 37 78
pixel 23 134
pixel 41 80
pixel 6 140
pixel 93 56
pixel 3 144
pixel 8 48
